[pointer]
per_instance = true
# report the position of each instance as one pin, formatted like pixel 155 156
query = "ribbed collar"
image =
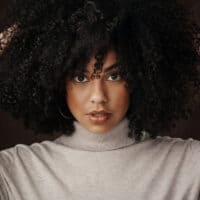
pixel 82 139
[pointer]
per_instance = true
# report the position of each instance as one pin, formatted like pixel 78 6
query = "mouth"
pixel 99 117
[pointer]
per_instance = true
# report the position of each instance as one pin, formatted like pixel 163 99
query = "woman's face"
pixel 107 94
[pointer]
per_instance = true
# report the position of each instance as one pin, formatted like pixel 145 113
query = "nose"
pixel 98 93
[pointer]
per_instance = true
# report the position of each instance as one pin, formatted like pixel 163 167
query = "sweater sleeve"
pixel 195 154
pixel 3 187
pixel 6 160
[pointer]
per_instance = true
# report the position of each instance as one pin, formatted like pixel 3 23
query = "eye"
pixel 80 78
pixel 114 77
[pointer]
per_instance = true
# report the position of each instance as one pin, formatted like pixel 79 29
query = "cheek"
pixel 120 97
pixel 74 97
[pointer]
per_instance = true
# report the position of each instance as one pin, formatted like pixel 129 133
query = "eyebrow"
pixel 110 68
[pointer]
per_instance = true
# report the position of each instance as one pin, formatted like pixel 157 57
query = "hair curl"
pixel 154 41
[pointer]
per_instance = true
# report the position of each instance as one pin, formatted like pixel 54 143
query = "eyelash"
pixel 118 77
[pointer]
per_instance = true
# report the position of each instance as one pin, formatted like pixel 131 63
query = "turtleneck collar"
pixel 82 139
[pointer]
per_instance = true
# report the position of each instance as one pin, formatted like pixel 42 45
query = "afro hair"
pixel 156 43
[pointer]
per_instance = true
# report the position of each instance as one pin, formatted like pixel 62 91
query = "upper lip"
pixel 99 112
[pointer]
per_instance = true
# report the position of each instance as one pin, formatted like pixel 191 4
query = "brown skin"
pixel 85 94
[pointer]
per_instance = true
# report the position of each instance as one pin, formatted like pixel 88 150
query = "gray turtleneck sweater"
pixel 88 166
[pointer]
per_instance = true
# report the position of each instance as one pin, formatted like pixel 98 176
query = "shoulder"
pixel 21 165
pixel 22 162
pixel 166 142
pixel 178 148
pixel 22 154
pixel 169 142
pixel 172 154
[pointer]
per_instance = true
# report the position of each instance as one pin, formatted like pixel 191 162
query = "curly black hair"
pixel 156 43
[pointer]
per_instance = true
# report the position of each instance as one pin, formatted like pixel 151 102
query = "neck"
pixel 82 139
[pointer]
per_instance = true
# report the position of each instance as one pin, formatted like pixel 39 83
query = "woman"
pixel 111 76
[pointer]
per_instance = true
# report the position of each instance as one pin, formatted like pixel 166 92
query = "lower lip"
pixel 100 119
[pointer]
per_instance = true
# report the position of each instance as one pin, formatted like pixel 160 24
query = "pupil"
pixel 80 77
pixel 114 76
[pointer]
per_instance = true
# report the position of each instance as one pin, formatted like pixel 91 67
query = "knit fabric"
pixel 89 166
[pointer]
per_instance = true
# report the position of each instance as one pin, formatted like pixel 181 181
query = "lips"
pixel 101 112
pixel 99 117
